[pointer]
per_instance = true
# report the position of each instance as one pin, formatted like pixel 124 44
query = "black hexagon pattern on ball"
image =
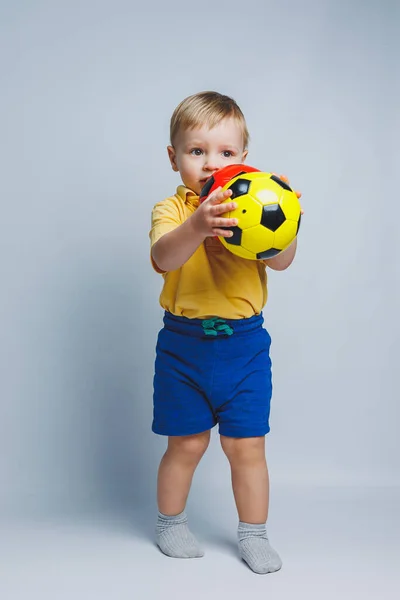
pixel 282 183
pixel 240 187
pixel 205 190
pixel 272 216
pixel 236 239
pixel 268 254
pixel 298 225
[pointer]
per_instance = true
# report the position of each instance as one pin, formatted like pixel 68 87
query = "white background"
pixel 87 91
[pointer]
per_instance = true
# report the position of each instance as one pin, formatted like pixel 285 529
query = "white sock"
pixel 255 549
pixel 174 537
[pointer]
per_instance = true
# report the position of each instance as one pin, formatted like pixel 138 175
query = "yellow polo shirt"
pixel 213 282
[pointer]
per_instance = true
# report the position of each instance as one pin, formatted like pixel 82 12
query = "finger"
pixel 220 209
pixel 223 232
pixel 301 211
pixel 221 222
pixel 213 195
pixel 298 194
pixel 218 196
pixel 222 195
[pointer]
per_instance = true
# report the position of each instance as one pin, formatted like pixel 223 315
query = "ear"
pixel 172 157
pixel 244 156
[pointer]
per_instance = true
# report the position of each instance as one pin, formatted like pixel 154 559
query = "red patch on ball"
pixel 221 178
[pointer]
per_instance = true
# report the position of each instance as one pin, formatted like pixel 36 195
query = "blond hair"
pixel 206 108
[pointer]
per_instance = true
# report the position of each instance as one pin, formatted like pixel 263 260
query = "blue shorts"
pixel 212 371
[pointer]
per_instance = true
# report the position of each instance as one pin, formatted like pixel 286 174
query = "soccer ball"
pixel 222 177
pixel 268 211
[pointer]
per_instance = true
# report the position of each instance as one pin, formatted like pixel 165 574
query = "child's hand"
pixel 207 220
pixel 284 178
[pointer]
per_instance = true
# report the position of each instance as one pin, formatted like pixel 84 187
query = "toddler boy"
pixel 212 357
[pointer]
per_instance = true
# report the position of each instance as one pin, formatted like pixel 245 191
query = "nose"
pixel 211 164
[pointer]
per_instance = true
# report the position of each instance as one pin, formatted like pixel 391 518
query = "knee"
pixel 244 451
pixel 191 447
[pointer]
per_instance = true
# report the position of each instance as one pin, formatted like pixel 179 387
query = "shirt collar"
pixel 188 195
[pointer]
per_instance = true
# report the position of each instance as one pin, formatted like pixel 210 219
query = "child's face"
pixel 198 153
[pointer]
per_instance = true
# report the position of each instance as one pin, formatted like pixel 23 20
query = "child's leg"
pixel 175 476
pixel 250 484
pixel 250 479
pixel 176 470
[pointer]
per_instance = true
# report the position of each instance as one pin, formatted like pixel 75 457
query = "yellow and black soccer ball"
pixel 268 213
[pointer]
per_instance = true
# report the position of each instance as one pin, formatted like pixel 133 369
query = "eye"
pixel 227 153
pixel 196 151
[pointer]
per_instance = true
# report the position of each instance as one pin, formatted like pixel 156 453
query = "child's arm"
pixel 283 260
pixel 174 248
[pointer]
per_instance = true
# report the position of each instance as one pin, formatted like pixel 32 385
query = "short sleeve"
pixel 165 216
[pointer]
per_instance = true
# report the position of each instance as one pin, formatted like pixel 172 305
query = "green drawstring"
pixel 214 325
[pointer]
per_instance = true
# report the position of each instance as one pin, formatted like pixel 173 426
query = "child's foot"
pixel 175 539
pixel 255 549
